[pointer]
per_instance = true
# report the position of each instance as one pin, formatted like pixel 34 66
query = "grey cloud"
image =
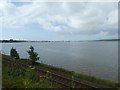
pixel 88 18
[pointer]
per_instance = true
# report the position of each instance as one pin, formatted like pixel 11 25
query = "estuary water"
pixel 95 58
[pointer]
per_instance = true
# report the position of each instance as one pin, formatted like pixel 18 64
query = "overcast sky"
pixel 58 20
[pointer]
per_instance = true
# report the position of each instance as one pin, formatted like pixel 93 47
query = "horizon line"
pixel 57 40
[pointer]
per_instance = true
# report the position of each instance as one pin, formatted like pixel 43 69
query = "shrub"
pixel 14 53
pixel 33 56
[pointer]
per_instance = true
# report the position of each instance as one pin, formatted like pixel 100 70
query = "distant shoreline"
pixel 17 41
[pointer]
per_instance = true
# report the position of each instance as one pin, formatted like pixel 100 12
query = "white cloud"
pixel 103 33
pixel 113 18
pixel 71 18
pixel 65 0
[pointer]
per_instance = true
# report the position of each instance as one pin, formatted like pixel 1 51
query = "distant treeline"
pixel 11 41
pixel 108 40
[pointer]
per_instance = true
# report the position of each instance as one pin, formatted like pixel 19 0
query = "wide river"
pixel 95 58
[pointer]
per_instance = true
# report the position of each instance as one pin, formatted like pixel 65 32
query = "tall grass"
pixel 17 77
pixel 69 74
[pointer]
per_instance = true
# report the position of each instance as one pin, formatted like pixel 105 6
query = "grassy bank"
pixel 80 76
pixel 12 78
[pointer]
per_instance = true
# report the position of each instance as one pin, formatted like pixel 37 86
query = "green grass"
pixel 83 77
pixel 98 81
pixel 16 77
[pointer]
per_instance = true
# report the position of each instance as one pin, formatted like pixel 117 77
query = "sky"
pixel 40 20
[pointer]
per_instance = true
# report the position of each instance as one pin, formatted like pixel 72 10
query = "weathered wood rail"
pixel 59 79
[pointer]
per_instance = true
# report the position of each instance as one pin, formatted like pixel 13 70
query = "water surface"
pixel 97 58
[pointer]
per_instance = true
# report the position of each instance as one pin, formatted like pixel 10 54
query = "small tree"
pixel 14 53
pixel 33 56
